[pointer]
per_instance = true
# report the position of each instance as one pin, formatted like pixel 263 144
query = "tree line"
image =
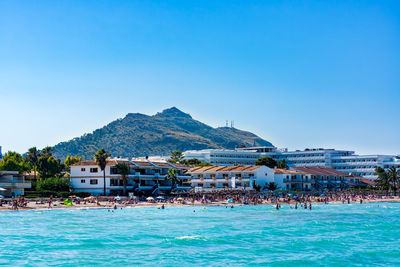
pixel 42 163
pixel 388 179
pixel 49 173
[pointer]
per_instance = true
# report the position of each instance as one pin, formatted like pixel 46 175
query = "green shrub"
pixel 55 184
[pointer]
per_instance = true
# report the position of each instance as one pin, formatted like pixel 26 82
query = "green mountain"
pixel 141 135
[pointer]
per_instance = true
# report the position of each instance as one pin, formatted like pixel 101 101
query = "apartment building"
pixel 229 177
pixel 144 176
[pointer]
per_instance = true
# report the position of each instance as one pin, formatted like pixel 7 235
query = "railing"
pixel 164 187
pixel 183 187
pixel 183 176
pixel 145 187
pixel 290 181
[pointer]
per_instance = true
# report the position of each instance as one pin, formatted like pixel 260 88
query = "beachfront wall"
pixel 144 176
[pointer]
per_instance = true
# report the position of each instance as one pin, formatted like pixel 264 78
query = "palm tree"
pixel 383 180
pixel 123 170
pixel 173 178
pixel 394 177
pixel 101 159
pixel 272 186
pixel 33 158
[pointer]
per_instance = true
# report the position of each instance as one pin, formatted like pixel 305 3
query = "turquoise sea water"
pixel 333 234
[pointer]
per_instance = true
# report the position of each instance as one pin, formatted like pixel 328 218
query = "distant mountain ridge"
pixel 160 134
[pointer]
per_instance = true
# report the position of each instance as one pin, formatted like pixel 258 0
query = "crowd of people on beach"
pixel 294 200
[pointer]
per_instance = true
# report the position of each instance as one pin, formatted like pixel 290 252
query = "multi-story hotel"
pixel 245 177
pixel 341 160
pixel 229 177
pixel 145 176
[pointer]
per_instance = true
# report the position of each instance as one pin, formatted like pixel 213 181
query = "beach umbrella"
pixel 1 196
pixel 2 189
pixel 160 197
pixel 230 200
pixel 180 199
pixel 118 198
pixel 149 198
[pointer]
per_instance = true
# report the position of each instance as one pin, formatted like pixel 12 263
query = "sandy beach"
pixel 59 204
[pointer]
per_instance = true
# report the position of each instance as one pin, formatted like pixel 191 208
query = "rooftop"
pixel 217 169
pixel 320 171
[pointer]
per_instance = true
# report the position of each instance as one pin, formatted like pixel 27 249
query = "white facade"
pixel 341 160
pixel 145 176
pixel 242 177
pixel 229 177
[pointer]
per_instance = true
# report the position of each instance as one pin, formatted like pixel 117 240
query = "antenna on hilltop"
pixel 232 124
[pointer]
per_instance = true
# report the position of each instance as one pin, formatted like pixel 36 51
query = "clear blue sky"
pixel 297 73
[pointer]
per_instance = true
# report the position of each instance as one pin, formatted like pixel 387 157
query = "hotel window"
pixel 83 181
pixel 93 169
pixel 83 169
pixel 93 181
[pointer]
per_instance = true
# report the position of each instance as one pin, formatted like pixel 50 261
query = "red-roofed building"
pixel 230 177
pixel 319 178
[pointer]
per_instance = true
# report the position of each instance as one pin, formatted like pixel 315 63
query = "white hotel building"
pixel 341 160
pixel 145 176
pixel 213 178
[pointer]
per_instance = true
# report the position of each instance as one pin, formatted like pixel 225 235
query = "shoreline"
pixel 106 205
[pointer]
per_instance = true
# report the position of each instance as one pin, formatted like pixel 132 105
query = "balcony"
pixel 182 187
pixel 145 187
pixel 290 181
pixel 164 187
pixel 299 181
pixel 18 184
pixel 184 177
pixel 146 176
